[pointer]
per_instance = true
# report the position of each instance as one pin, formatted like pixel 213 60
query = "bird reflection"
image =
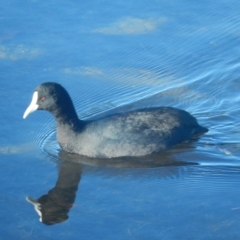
pixel 54 206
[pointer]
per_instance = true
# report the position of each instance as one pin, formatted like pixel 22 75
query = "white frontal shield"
pixel 33 105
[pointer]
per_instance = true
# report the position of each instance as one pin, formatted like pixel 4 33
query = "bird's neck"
pixel 68 118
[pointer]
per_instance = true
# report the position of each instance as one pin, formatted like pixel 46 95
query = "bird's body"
pixel 134 133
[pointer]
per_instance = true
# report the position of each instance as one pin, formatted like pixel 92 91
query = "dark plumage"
pixel 134 133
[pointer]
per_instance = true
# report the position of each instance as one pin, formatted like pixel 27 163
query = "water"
pixel 114 57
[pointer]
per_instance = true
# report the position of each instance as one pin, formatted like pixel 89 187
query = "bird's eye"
pixel 42 98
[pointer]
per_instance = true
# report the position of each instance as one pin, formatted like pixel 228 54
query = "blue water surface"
pixel 114 56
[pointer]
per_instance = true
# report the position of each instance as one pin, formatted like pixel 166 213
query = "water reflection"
pixel 54 206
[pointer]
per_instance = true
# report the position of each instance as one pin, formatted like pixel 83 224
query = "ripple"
pixel 48 144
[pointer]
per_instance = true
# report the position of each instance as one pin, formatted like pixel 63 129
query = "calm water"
pixel 113 57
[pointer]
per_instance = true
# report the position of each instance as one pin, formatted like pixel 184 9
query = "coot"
pixel 134 133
